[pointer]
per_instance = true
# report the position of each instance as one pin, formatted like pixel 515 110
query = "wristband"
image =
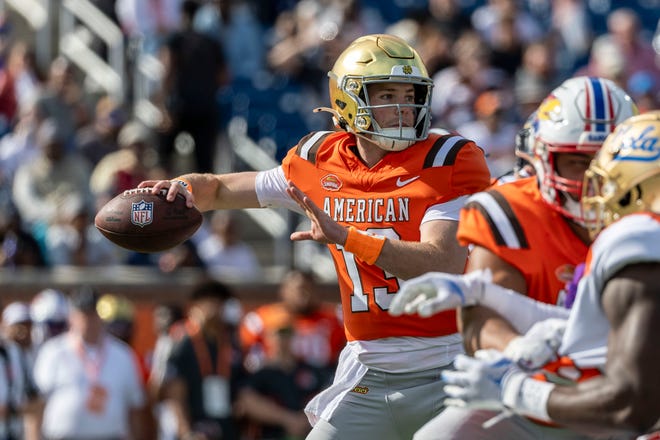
pixel 526 396
pixel 184 183
pixel 365 246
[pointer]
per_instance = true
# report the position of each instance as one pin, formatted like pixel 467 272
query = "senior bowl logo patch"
pixel 142 213
pixel 330 182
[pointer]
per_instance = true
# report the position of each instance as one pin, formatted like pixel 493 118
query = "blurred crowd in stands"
pixel 65 150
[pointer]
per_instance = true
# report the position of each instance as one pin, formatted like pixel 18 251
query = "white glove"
pixel 538 346
pixel 435 292
pixel 476 381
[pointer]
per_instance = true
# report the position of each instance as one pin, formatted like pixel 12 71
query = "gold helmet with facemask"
pixel 624 177
pixel 379 59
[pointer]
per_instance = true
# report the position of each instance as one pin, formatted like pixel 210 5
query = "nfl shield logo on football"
pixel 142 213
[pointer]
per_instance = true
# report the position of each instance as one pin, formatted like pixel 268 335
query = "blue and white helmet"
pixel 576 117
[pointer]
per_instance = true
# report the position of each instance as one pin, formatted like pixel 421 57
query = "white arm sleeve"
pixel 520 310
pixel 270 186
pixel 445 211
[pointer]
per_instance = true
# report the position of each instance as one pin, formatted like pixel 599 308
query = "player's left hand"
pixel 476 382
pixel 324 229
pixel 435 292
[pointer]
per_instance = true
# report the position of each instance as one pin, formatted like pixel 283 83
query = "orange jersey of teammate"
pixel 514 222
pixel 390 199
pixel 317 339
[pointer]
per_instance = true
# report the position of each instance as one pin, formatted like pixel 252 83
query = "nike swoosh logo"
pixel 401 183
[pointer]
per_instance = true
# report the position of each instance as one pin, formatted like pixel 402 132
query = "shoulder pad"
pixel 444 150
pixel 504 225
pixel 309 145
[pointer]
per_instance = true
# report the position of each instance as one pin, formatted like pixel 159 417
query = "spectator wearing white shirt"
pixel 12 389
pixel 89 379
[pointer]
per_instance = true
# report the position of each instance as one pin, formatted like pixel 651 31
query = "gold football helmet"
pixel 624 177
pixel 377 59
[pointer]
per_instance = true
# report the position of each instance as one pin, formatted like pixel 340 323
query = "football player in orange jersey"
pixel 609 344
pixel 385 196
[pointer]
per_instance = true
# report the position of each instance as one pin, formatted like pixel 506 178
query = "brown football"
pixel 144 222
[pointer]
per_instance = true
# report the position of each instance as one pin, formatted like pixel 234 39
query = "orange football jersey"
pixel 514 222
pixel 388 199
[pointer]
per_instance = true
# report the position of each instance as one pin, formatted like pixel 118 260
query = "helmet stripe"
pixel 599 103
pixel 587 115
pixel 610 107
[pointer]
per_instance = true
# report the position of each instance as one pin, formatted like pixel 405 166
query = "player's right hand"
pixel 173 188
pixel 435 292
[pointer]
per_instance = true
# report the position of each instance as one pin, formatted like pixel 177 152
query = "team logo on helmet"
pixel 550 109
pixel 142 213
pixel 330 182
pixel 407 70
pixel 643 146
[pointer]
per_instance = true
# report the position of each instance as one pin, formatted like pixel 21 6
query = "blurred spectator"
pixel 487 19
pixel 221 248
pixel 194 70
pixel 235 26
pixel 147 23
pixel 644 90
pixel 572 33
pixel 71 239
pixel 165 318
pixel 493 131
pixel 535 77
pixel 21 65
pixel 136 160
pixel 17 245
pixel 625 32
pixel 8 101
pixel 62 99
pixel 450 16
pixel 318 330
pixel 272 398
pixel 12 391
pixel 201 370
pixel 89 379
pixel 459 85
pixel 16 329
pixel 19 146
pixel 42 185
pixel 606 60
pixel 99 138
pixel 506 45
pixel 49 310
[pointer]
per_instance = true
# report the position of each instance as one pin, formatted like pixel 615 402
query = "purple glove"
pixel 571 286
